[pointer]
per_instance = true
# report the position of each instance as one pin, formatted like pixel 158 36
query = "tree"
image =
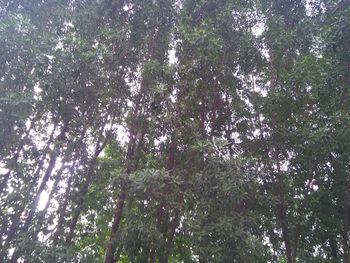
pixel 174 131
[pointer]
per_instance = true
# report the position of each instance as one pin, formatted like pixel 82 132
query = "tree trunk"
pixel 47 175
pixel 281 207
pixel 85 187
pixel 130 165
pixel 62 212
pixel 15 219
pixel 109 254
pixel 333 247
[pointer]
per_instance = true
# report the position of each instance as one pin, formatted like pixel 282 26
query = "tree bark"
pixel 15 219
pixel 62 212
pixel 53 158
pixel 109 254
pixel 333 247
pixel 130 155
pixel 281 207
pixel 85 187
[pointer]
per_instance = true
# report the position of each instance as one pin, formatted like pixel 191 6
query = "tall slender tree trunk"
pixel 53 158
pixel 333 247
pixel 14 161
pixel 280 186
pixel 130 155
pixel 100 145
pixel 62 206
pixel 15 219
pixel 62 212
pixel 109 254
pixel 176 216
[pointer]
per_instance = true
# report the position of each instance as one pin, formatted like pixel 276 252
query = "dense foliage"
pixel 175 131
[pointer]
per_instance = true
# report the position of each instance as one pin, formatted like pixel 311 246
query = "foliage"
pixel 174 131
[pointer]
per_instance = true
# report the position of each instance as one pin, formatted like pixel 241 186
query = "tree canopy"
pixel 145 131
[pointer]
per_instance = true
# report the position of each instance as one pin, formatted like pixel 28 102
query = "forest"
pixel 175 131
